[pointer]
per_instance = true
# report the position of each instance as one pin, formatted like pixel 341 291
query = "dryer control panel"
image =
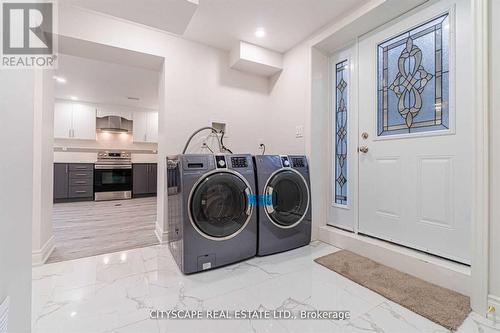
pixel 298 162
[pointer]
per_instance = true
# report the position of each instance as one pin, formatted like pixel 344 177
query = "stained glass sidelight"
pixel 341 99
pixel 413 75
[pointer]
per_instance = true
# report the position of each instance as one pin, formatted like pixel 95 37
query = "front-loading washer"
pixel 284 203
pixel 212 220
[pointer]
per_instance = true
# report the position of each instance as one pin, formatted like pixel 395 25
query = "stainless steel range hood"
pixel 114 124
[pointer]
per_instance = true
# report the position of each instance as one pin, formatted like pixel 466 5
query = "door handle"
pixel 268 200
pixel 249 206
pixel 363 149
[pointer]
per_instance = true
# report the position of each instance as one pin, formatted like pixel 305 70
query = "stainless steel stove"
pixel 113 175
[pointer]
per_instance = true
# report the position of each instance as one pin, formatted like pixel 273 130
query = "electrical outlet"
pixel 262 146
pixel 299 131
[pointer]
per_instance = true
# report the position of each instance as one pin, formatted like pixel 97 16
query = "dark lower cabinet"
pixel 152 178
pixel 73 182
pixel 61 180
pixel 144 179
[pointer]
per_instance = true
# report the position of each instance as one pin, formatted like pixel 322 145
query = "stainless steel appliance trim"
pixel 112 166
pixel 116 195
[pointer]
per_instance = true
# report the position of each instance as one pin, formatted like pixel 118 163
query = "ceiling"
pixel 168 15
pixel 222 23
pixel 106 53
pixel 107 83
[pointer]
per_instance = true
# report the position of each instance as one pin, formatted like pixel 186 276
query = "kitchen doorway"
pixel 106 108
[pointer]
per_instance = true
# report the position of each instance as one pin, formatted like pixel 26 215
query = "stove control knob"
pixel 222 163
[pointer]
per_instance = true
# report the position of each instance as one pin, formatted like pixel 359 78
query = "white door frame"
pixel 480 208
pixel 480 205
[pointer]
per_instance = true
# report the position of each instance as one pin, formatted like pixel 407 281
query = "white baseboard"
pixel 160 233
pixel 442 272
pixel 39 257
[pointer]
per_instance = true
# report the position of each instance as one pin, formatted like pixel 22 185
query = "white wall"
pixel 200 87
pixel 161 190
pixel 319 119
pixel 16 194
pixel 494 279
pixel 43 129
pixel 289 104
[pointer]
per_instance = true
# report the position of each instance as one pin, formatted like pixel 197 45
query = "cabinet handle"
pixel 80 174
pixel 80 182
pixel 80 191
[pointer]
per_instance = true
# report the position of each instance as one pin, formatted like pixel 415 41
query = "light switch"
pixel 299 131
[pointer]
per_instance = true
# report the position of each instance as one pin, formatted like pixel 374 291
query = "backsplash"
pixel 105 140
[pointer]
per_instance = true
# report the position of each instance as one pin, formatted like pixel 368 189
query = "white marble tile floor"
pixel 116 293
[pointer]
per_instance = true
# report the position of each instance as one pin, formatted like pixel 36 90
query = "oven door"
pixel 108 178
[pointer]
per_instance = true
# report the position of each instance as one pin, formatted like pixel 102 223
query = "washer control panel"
pixel 220 161
pixel 284 161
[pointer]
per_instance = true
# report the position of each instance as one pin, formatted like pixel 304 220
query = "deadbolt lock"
pixel 364 135
pixel 363 149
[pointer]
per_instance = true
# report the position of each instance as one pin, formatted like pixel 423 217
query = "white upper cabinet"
pixel 140 126
pixel 84 121
pixel 145 127
pixel 74 121
pixel 63 120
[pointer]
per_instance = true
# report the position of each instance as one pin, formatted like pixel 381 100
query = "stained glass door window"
pixel 413 80
pixel 341 99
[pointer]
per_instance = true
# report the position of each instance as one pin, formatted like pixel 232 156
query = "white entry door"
pixel 416 131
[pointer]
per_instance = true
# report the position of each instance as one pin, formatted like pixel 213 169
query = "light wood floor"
pixel 84 229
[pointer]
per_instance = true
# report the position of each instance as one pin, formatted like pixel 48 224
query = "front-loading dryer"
pixel 212 220
pixel 285 203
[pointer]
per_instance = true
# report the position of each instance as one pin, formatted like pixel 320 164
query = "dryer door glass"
pixel 286 198
pixel 219 205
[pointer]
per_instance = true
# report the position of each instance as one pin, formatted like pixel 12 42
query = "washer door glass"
pixel 287 198
pixel 219 205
